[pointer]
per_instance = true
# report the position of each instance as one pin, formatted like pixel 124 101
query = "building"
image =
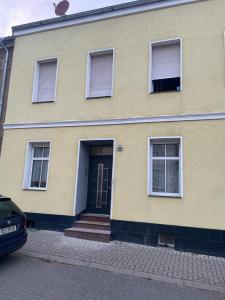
pixel 121 111
pixel 6 52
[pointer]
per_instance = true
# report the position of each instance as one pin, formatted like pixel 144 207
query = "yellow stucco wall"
pixel 203 204
pixel 199 25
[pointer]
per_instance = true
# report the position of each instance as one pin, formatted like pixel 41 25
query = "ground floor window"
pixel 165 167
pixel 37 164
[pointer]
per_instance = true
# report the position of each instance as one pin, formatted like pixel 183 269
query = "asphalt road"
pixel 25 278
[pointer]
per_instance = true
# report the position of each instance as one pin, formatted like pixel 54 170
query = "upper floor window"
pixel 100 74
pixel 44 89
pixel 37 164
pixel 166 66
pixel 165 167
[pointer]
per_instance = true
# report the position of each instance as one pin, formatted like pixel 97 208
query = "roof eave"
pixel 97 15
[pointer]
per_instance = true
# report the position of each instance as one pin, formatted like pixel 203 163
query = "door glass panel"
pixel 100 150
pixel 99 186
pixel 105 186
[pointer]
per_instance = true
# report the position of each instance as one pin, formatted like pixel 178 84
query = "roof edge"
pixel 97 15
pixel 8 41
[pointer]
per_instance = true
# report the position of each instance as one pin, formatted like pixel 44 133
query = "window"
pixel 44 89
pixel 165 167
pixel 100 74
pixel 37 164
pixel 166 66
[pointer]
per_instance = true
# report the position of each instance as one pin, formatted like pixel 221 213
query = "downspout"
pixel 4 74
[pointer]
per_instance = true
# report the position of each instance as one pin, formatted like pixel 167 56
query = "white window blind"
pixel 101 75
pixel 46 81
pixel 166 61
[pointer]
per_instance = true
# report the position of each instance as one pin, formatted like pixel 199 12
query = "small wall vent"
pixel 166 240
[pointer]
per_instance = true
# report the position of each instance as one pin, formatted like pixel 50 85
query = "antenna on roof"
pixel 61 8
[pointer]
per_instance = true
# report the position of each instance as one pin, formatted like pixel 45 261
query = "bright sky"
pixel 16 12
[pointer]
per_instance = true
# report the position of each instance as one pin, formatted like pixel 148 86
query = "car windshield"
pixel 8 209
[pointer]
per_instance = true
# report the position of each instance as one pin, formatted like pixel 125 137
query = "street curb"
pixel 129 272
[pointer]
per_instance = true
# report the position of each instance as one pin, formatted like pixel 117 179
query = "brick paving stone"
pixel 26 278
pixel 167 262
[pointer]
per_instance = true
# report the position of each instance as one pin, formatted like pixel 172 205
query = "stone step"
pixel 95 218
pixel 89 234
pixel 92 225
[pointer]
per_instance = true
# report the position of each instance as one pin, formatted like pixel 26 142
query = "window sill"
pixel 165 195
pixel 164 92
pixel 98 97
pixel 35 189
pixel 45 101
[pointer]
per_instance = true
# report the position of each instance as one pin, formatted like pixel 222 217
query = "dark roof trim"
pixel 8 41
pixel 97 14
pixel 86 13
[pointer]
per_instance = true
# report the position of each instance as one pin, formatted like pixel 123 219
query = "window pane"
pixel 172 176
pixel 36 171
pixel 44 174
pixel 167 84
pixel 38 151
pixel 158 150
pixel 172 150
pixel 46 152
pixel 158 176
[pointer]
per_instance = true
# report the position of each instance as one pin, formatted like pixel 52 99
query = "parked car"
pixel 13 233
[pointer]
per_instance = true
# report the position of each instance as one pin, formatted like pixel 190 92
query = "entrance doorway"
pixel 94 177
pixel 99 180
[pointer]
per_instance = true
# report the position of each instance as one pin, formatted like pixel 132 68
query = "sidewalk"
pixel 164 264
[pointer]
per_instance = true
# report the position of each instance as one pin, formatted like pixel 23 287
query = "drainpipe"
pixel 4 74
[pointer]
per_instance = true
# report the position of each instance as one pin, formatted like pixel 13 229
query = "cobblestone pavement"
pixel 26 278
pixel 164 264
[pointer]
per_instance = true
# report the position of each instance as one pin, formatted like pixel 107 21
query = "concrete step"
pixel 89 234
pixel 95 218
pixel 92 225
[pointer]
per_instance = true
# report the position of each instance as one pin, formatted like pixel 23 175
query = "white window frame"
pixel 161 43
pixel 88 75
pixel 36 79
pixel 150 167
pixel 29 163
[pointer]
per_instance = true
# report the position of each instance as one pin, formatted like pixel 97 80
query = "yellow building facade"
pixel 121 112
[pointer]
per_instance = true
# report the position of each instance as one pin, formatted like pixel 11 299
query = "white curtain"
pixel 101 75
pixel 46 81
pixel 40 167
pixel 172 176
pixel 158 184
pixel 35 178
pixel 165 173
pixel 44 173
pixel 38 151
pixel 165 61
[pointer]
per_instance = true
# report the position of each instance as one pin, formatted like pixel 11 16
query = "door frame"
pixel 92 140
